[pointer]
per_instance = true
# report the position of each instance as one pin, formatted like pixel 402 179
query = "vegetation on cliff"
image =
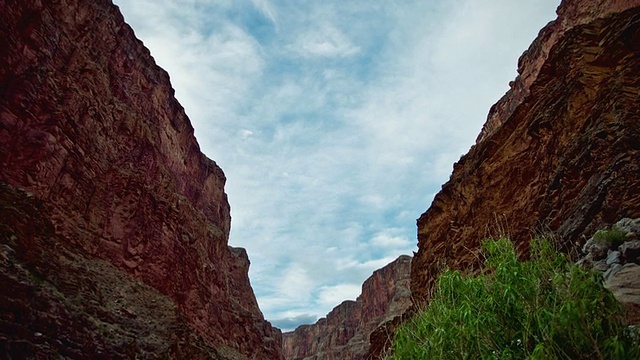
pixel 544 308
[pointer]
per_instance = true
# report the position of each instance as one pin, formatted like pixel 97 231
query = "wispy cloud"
pixel 335 122
pixel 266 9
pixel 324 41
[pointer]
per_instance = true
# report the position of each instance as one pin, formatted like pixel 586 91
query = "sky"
pixel 335 121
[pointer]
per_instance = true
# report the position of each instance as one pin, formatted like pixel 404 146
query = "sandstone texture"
pixel 114 226
pixel 559 153
pixel 344 334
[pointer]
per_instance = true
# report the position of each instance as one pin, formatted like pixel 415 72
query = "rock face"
pixel 570 14
pixel 114 224
pixel 344 333
pixel 559 153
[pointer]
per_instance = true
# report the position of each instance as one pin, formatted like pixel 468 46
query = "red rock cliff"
pixel 95 145
pixel 559 153
pixel 344 333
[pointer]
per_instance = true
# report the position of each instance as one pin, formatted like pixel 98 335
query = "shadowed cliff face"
pixel 58 303
pixel 344 333
pixel 565 156
pixel 90 129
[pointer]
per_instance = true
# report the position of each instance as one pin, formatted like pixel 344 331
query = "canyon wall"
pixel 344 334
pixel 570 14
pixel 559 152
pixel 114 224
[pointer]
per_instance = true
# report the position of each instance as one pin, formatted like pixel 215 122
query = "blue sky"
pixel 335 121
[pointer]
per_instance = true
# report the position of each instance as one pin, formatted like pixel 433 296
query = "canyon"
pixel 557 156
pixel 114 226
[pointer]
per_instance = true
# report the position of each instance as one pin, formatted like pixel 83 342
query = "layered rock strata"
pixel 93 139
pixel 344 333
pixel 565 156
pixel 570 14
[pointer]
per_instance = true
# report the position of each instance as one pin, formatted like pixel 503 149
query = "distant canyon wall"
pixel 95 149
pixel 345 332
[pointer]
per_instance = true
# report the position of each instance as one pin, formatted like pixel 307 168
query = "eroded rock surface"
pixel 344 333
pixel 565 156
pixel 58 303
pixel 91 131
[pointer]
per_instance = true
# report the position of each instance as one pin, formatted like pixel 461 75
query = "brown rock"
pixel 344 333
pixel 90 128
pixel 563 157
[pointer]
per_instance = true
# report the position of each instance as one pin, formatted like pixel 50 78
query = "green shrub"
pixel 545 308
pixel 612 238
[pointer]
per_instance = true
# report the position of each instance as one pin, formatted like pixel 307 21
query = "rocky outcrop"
pixel 564 156
pixel 616 252
pixel 344 333
pixel 114 224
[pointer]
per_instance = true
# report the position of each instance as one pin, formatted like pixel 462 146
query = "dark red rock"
pixel 58 303
pixel 90 128
pixel 344 333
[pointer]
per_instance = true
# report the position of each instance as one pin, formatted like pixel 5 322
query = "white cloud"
pixel 245 134
pixel 295 283
pixel 389 241
pixel 370 266
pixel 335 122
pixel 336 294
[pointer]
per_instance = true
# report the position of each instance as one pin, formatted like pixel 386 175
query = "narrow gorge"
pixel 114 227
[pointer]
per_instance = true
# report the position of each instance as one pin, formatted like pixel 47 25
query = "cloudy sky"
pixel 335 121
